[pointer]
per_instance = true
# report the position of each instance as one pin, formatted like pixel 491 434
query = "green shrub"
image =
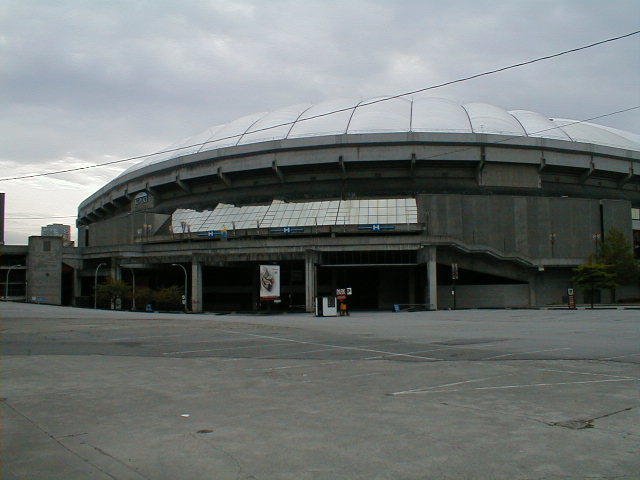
pixel 169 298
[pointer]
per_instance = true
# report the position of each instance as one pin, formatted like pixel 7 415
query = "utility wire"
pixel 464 149
pixel 360 104
pixel 39 218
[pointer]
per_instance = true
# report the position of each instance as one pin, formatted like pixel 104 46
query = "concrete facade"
pixel 516 215
pixel 44 270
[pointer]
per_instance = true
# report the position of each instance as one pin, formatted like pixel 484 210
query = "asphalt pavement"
pixel 475 394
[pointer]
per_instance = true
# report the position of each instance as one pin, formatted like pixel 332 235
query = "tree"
pixel 617 254
pixel 592 276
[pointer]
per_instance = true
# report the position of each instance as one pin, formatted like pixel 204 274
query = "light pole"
pixel 185 282
pixel 596 238
pixel 133 289
pixel 6 285
pixel 95 285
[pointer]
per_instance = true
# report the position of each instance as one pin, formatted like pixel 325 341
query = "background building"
pixel 57 230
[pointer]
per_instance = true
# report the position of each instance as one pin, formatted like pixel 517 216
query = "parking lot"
pixel 509 394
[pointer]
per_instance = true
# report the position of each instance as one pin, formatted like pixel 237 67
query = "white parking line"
pixel 278 356
pixel 585 373
pixel 620 356
pixel 121 339
pixel 525 353
pixel 552 384
pixel 225 348
pixel 335 346
pixel 429 350
pixel 426 389
pixel 527 385
pixel 286 367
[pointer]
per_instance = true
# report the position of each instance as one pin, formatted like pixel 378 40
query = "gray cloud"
pixel 86 81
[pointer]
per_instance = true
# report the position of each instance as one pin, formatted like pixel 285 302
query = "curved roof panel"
pixel 317 121
pixel 381 117
pixel 430 114
pixel 277 125
pixel 538 125
pixel 487 118
pixel 592 133
pixel 396 115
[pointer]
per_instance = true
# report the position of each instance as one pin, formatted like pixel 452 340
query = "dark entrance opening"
pixel 378 279
pixel 67 285
pixel 374 287
pixel 235 287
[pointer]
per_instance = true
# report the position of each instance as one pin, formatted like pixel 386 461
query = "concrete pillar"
pixel 532 291
pixel 196 287
pixel 77 286
pixel 432 279
pixel 116 271
pixel 310 275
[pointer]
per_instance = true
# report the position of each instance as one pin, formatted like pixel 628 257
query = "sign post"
pixel 572 299
pixel 454 277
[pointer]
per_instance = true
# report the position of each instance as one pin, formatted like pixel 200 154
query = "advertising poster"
pixel 269 282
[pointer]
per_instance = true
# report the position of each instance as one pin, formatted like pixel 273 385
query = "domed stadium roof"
pixel 378 115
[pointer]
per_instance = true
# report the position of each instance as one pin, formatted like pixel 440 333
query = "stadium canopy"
pixel 379 115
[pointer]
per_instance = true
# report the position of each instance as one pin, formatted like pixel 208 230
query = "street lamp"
pixel 95 285
pixel 6 285
pixel 596 238
pixel 185 282
pixel 552 240
pixel 133 289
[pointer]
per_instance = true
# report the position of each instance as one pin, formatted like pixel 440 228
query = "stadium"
pixel 421 202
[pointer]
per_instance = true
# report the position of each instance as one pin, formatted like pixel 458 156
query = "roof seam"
pixel 411 117
pixel 526 134
pixel 245 132
pixel 562 129
pixel 213 134
pixel 346 130
pixel 468 117
pixel 296 121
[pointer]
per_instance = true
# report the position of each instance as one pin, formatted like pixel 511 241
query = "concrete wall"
pixel 484 296
pixel 44 270
pixel 524 224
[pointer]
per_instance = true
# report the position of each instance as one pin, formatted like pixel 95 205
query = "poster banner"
pixel 269 282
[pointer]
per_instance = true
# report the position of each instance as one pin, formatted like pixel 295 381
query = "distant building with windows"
pixel 57 230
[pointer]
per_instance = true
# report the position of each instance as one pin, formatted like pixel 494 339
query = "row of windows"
pixel 280 214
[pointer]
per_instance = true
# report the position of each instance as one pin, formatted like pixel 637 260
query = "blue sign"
pixel 213 234
pixel 287 230
pixel 376 227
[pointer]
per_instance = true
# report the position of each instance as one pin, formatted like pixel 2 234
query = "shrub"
pixel 169 298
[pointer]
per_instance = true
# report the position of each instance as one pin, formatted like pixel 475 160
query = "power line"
pixel 40 218
pixel 458 150
pixel 360 104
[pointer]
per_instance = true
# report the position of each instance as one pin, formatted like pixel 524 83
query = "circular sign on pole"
pixel 342 298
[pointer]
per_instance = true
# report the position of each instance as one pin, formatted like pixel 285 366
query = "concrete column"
pixel 77 286
pixel 196 287
pixel 116 271
pixel 532 291
pixel 310 275
pixel 432 279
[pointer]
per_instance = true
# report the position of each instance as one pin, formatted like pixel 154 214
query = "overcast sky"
pixel 83 82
